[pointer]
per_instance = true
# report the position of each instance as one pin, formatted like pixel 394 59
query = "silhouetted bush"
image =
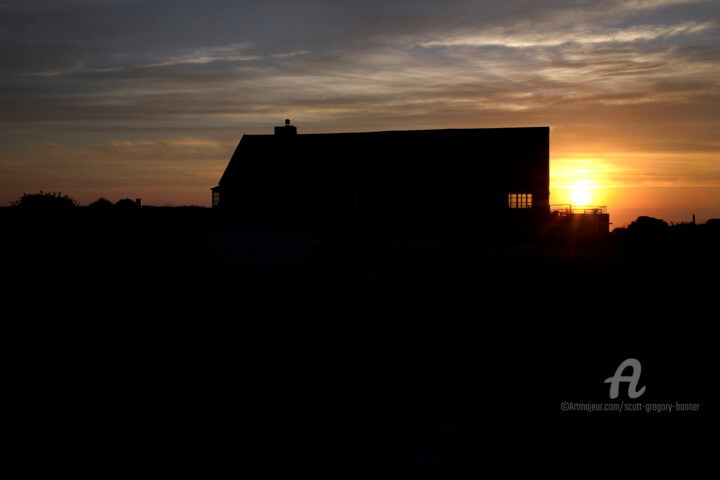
pixel 45 201
pixel 677 240
pixel 101 203
pixel 126 204
pixel 648 225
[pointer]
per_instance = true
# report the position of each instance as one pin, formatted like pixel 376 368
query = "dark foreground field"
pixel 172 341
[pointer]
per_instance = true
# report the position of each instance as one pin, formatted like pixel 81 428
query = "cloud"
pixel 228 53
pixel 522 38
pixel 624 169
pixel 654 4
pixel 78 67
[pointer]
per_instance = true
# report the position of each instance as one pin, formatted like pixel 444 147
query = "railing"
pixel 568 209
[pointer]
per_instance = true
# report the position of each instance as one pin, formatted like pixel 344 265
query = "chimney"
pixel 287 131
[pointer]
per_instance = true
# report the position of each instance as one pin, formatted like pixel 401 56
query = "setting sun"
pixel 581 196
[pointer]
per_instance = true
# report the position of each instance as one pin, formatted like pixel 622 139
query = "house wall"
pixel 576 229
pixel 437 179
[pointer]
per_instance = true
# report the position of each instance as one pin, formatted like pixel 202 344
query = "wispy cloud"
pixel 523 37
pixel 653 4
pixel 228 53
pixel 77 67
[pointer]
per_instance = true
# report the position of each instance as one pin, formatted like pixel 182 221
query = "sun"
pixel 580 196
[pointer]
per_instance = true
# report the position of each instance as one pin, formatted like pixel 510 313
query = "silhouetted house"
pixel 454 181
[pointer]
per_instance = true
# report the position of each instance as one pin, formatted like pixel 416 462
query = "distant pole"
pixel 693 219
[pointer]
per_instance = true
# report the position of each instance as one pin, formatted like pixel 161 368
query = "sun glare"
pixel 580 196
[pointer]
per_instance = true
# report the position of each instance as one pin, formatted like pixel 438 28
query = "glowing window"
pixel 215 198
pixel 520 200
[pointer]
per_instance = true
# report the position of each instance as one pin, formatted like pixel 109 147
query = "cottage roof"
pixel 392 156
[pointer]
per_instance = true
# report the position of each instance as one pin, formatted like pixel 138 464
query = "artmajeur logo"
pixel 632 379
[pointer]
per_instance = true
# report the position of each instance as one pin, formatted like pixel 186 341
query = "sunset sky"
pixel 149 98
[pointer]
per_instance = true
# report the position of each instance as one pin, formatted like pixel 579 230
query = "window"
pixel 520 200
pixel 215 198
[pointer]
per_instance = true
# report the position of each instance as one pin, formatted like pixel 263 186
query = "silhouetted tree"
pixel 647 233
pixel 45 201
pixel 126 204
pixel 648 225
pixel 101 203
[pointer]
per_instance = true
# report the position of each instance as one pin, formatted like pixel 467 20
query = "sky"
pixel 149 98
